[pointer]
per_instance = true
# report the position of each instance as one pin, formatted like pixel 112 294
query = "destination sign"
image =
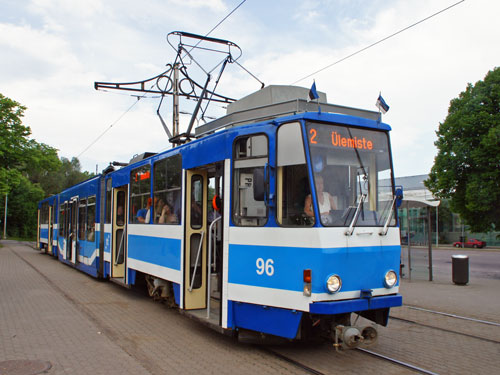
pixel 336 139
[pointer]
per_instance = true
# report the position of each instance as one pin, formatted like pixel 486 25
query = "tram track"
pixel 364 351
pixel 453 315
pixel 396 361
pixel 292 361
pixel 447 330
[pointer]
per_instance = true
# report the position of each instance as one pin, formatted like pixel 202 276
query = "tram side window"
pixel 91 219
pixel 44 214
pixel 140 195
pixel 53 217
pixel 62 217
pixel 82 212
pixel 250 155
pixel 167 180
pixel 108 201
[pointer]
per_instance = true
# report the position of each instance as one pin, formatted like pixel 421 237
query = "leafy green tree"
pixel 19 155
pixel 467 167
pixel 66 175
pixel 23 162
pixel 22 211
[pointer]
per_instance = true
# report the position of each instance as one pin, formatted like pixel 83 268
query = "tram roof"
pixel 278 110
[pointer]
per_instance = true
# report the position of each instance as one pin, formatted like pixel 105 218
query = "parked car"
pixel 470 243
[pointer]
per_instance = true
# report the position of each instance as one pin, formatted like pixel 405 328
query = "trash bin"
pixel 460 269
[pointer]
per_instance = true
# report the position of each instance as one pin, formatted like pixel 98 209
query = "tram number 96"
pixel 265 266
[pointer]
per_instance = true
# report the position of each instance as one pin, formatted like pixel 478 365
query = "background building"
pixel 419 207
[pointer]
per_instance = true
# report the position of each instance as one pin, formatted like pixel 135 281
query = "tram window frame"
pixel 292 178
pixel 197 209
pixel 62 215
pixel 53 216
pixel 245 162
pixel 44 213
pixel 167 189
pixel 375 159
pixel 82 219
pixel 108 200
pixel 140 192
pixel 91 218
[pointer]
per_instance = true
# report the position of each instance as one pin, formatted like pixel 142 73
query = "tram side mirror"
pixel 259 184
pixel 399 196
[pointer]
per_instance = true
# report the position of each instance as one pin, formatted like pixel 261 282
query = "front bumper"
pixel 354 305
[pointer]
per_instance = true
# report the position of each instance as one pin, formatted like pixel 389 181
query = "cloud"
pixel 53 51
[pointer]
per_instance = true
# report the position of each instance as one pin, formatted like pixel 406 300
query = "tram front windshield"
pixel 352 175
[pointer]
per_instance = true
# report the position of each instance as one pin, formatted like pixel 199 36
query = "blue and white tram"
pixel 47 225
pixel 279 219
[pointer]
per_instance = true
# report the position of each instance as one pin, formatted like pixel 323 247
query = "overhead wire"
pixel 142 96
pixel 378 42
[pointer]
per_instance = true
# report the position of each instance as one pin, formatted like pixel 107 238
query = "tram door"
pixel 72 217
pixel 119 232
pixel 195 249
pixel 51 226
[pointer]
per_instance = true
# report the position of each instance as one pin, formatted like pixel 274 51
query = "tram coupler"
pixel 350 337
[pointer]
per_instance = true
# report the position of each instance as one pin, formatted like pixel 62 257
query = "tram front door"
pixel 51 227
pixel 71 241
pixel 195 249
pixel 119 232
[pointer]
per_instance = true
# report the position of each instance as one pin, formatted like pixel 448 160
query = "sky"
pixel 52 52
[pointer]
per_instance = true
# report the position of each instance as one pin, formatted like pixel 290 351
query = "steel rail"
pixel 396 361
pixel 454 316
pixel 446 330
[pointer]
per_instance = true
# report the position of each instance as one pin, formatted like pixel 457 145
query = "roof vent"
pixel 139 157
pixel 271 95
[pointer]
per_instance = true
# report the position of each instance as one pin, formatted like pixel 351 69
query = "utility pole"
pixel 5 219
pixel 175 112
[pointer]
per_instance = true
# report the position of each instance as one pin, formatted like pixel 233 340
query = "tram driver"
pixel 325 199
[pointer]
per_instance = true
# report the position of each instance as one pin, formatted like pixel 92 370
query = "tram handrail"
pixel 120 248
pixel 196 262
pixel 210 262
pixel 349 231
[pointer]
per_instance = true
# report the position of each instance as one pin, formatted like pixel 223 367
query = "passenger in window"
pixel 159 203
pixel 91 234
pixel 216 207
pixel 119 216
pixel 325 200
pixel 167 215
pixel 143 214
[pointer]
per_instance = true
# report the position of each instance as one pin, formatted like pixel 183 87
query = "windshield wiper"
pixel 383 232
pixel 349 231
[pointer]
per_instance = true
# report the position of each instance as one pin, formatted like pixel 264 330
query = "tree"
pixel 22 210
pixel 29 171
pixel 467 167
pixel 66 175
pixel 19 155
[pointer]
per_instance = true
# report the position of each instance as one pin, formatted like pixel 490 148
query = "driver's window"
pixel 250 155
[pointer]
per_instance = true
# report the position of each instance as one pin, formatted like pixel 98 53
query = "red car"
pixel 471 243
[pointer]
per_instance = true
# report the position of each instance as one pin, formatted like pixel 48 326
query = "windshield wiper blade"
pixel 349 230
pixel 383 232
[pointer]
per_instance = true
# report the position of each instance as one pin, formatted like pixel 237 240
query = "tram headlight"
pixel 390 279
pixel 333 283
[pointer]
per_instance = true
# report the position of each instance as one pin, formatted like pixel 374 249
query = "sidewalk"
pixel 52 313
